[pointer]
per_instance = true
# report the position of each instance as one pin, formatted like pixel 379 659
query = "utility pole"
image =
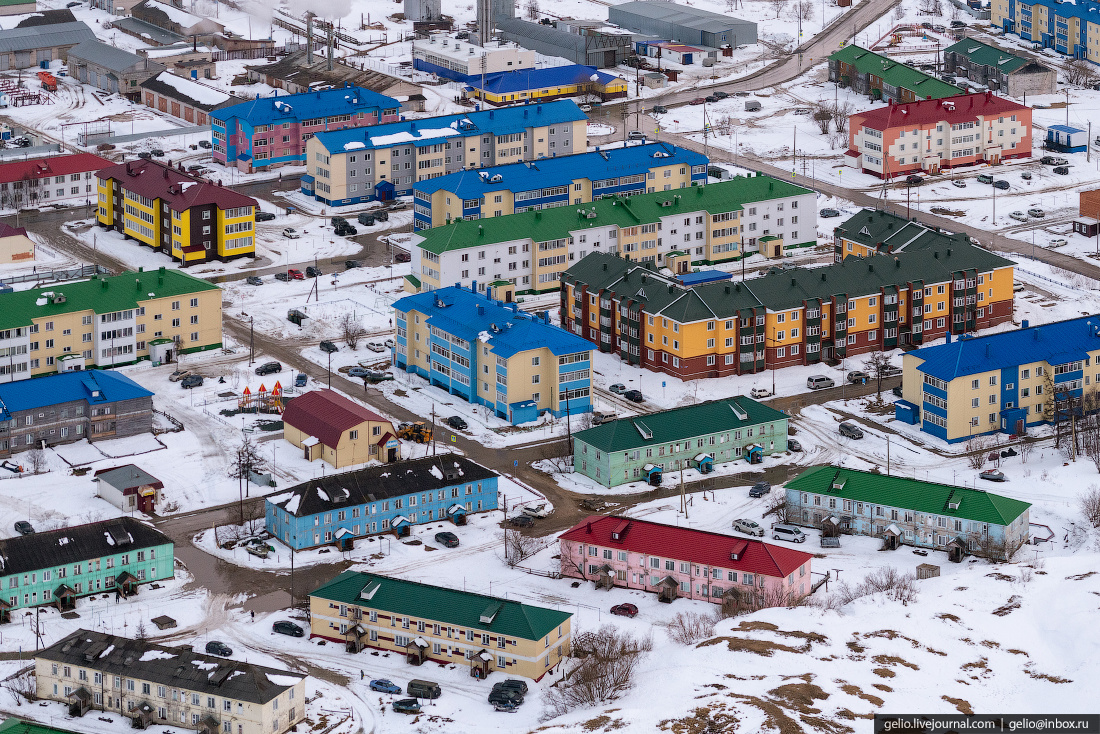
pixel 683 497
pixel 887 454
pixel 433 429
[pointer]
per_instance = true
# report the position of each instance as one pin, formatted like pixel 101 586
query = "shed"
pixel 891 537
pixel 1066 139
pixel 185 98
pixel 1086 226
pixel 111 69
pixel 129 488
pixel 906 412
pixel 927 571
pixel 752 105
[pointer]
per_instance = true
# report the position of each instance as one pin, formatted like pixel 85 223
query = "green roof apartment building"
pixel 906 511
pixel 718 222
pixel 882 78
pixel 998 70
pixel 431 623
pixel 644 447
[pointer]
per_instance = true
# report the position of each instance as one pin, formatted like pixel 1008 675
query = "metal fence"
pixel 52 275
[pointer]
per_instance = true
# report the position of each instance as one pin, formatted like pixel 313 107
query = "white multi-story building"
pixel 453 59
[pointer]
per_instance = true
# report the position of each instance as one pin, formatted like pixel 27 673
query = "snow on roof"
pixel 110 540
pixel 155 655
pixel 292 506
pixel 436 472
pixel 62 540
pixel 284 680
pixel 176 15
pixel 323 495
pixel 354 145
pixel 409 136
pixel 108 651
pixel 201 665
pixel 194 90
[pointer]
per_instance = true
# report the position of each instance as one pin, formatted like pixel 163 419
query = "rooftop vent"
pixel 490 613
pixel 620 530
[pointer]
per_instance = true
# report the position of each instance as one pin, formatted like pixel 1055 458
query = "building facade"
pixel 435 624
pixel 57 180
pixel 129 488
pixel 111 69
pixel 554 182
pixel 338 509
pixel 60 566
pixel 683 23
pixel 187 99
pixel 28 46
pixel 1000 382
pixel 490 353
pixel 936 135
pixel 175 19
pixel 590 48
pixel 715 223
pixel 328 426
pixel 450 58
pixel 270 132
pixel 677 562
pixel 920 514
pixel 154 684
pixel 697 437
pixel 783 318
pixel 69 407
pixel 1072 29
pixel 873 232
pixel 15 245
pixel 187 218
pixel 354 166
pixel 107 322
pixel 999 70
pixel 544 85
pixel 883 78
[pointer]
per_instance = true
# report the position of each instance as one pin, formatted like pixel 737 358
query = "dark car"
pixel 254 280
pixel 204 144
pixel 312 272
pixel 659 109
pixel 625 610
pixel 1053 160
pixel 512 684
pixel 219 648
pixel 760 489
pixel 352 264
pixel 456 423
pixel 295 274
pixel 1004 185
pixel 358 372
pixel 346 230
pixel 828 213
pixel 142 154
pixel 958 24
pixel 447 539
pixel 914 180
pixel 721 95
pixel 1060 170
pixel 269 368
pixel 793 445
pixel 850 430
pixel 301 380
pixel 378 376
pixel 157 153
pixel 634 396
pixel 287 628
pixel 191 381
pixel 337 221
pixel 407 706
pixel 264 216
pixel 499 696
pixel 402 257
pixel 367 220
pixel 384 686
pixel 897 391
pixel 521 521
pixel 382 216
pixel 328 347
pixel 711 98
pixel 195 167
pixel 281 276
pixel 24 528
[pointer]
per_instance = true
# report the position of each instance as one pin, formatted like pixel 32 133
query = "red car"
pixel 697 100
pixel 295 274
pixel 625 610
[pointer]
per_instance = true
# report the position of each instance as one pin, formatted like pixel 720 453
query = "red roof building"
pixel 59 179
pixel 326 425
pixel 683 562
pixel 937 134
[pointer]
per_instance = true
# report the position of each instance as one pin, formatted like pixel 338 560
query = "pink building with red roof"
pixel 326 425
pixel 59 179
pixel 937 134
pixel 682 562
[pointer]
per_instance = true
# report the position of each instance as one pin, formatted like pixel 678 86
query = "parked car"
pixel 802 111
pixel 958 24
pixel 625 610
pixel 295 274
pixel 204 144
pixel 254 280
pixel 314 272
pixel 505 697
pixel 366 219
pixel 711 98
pixel 897 391
pixel 407 706
pixel 593 505
pixel 635 135
pixel 659 109
pixel 337 220
pixel 913 180
pixel 290 629
pixel 634 396
pixel 382 215
pixel 789 533
pixel 697 101
pixel 352 264
pixel 793 445
pixel 376 376
pixel 376 346
pixel 283 277
pixel 521 521
pixel 301 380
pixel 269 368
pixel 992 475
pixel 1061 170
pixel 178 375
pixel 855 377
pixel 1036 212
pixel 850 430
pixel 586 108
pixel 260 216
pixel 291 234
pixel 23 527
pixel 512 684
pixel 382 685
pixel 538 509
pixel 1053 160
pixel 401 257
pixel 157 153
pixel 759 392
pixel 829 213
pixel 889 370
pixel 346 230
pixel 389 344
pixel 939 28
pixel 328 347
pixel 219 648
pixel 817 382
pixel 985 178
pixel 447 539
pixel 1058 242
pixel 1018 216
pixel 760 489
pixel 618 388
pixel 959 183
pixel 721 95
pixel 1026 175
pixel 191 381
pixel 748 527
pixel 456 422
pixel 1001 184
pixel 358 372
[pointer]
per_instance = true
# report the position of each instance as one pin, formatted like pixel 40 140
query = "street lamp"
pixel 251 339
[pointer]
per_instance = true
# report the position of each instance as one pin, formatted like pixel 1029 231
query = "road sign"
pixel 662 383
pixel 515 462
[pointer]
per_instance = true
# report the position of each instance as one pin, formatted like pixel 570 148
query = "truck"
pixel 417 432
pixel 49 81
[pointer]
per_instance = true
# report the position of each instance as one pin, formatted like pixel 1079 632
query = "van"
pixel 789 533
pixel 985 178
pixel 423 689
pixel 816 382
pixel 366 219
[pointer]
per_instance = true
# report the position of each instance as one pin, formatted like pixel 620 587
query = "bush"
pixel 687 628
pixel 603 666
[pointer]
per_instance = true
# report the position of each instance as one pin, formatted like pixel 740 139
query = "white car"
pixel 748 527
pixel 1058 242
pixel 586 108
pixel 376 346
pixel 291 234
pixel 538 509
pixel 1018 216
pixel 760 392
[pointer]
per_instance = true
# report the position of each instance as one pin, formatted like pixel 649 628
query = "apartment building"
pixel 153 684
pixel 1000 382
pixel 874 232
pixel 543 85
pixel 553 182
pixel 1072 29
pixel 384 161
pixel 107 321
pixel 435 624
pixel 60 566
pixel 188 218
pixel 880 77
pixel 60 179
pixel 938 134
pixel 718 222
pixel 906 511
pixel 271 132
pixel 1001 71
pixel 783 318
pixel 490 353
pixel 679 562
pixel 451 58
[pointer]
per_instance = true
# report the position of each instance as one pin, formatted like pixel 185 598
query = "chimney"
pixel 588 527
pixel 309 38
pixel 331 43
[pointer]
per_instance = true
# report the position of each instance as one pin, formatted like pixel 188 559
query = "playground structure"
pixel 911 38
pixel 17 95
pixel 262 401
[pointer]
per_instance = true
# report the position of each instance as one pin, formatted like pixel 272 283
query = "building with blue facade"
pixel 542 85
pixel 1001 382
pixel 555 181
pixel 1070 28
pixel 337 509
pixel 1066 139
pixel 490 353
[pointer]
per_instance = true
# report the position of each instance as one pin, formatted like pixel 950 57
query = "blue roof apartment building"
pixel 1001 382
pixel 490 353
pixel 522 86
pixel 1072 29
pixel 380 162
pixel 552 182
pixel 338 508
pixel 269 132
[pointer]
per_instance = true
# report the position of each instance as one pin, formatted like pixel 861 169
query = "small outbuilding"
pixel 129 488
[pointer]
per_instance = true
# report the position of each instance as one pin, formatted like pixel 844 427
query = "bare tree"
pixel 687 628
pixel 777 5
pixel 36 460
pixel 352 330
pixel 247 460
pixel 823 115
pixel 777 505
pixel 878 364
pixel 519 547
pixel 1027 448
pixel 531 9
pixel 975 452
pixel 22 686
pixel 1078 72
pixel 804 10
pixel 887 580
pixel 1089 431
pixel 602 669
pixel 841 112
pixel 1089 502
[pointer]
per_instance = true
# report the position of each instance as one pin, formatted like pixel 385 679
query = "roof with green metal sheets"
pixel 895 73
pixel 986 55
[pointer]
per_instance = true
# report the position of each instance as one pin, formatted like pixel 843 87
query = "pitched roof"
pixel 29 38
pixel 958 109
pixel 44 17
pixel 121 292
pixel 910 494
pixel 94 386
pixel 894 73
pixel 6 230
pixel 25 553
pixel 19 726
pixel 180 190
pixel 1055 343
pixel 552 224
pixel 677 14
pixel 178 667
pixel 460 608
pixel 126 477
pixel 986 55
pixel 519 80
pixel 891 234
pixel 307 105
pixel 688 544
pixel 325 414
pixel 193 93
pixel 505 328
pixel 379 483
pixel 58 165
pixel 109 57
pixel 669 426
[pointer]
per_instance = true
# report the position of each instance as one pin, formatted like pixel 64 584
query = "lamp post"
pixel 251 339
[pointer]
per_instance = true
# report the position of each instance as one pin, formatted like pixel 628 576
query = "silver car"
pixel 748 527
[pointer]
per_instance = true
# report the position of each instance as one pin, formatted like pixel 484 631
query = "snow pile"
pixel 204 666
pixel 292 506
pixel 484 337
pixel 193 90
pixel 323 495
pixel 155 655
pixel 354 145
pixel 436 472
pixel 284 680
pixel 412 136
pixel 107 652
pixel 110 540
